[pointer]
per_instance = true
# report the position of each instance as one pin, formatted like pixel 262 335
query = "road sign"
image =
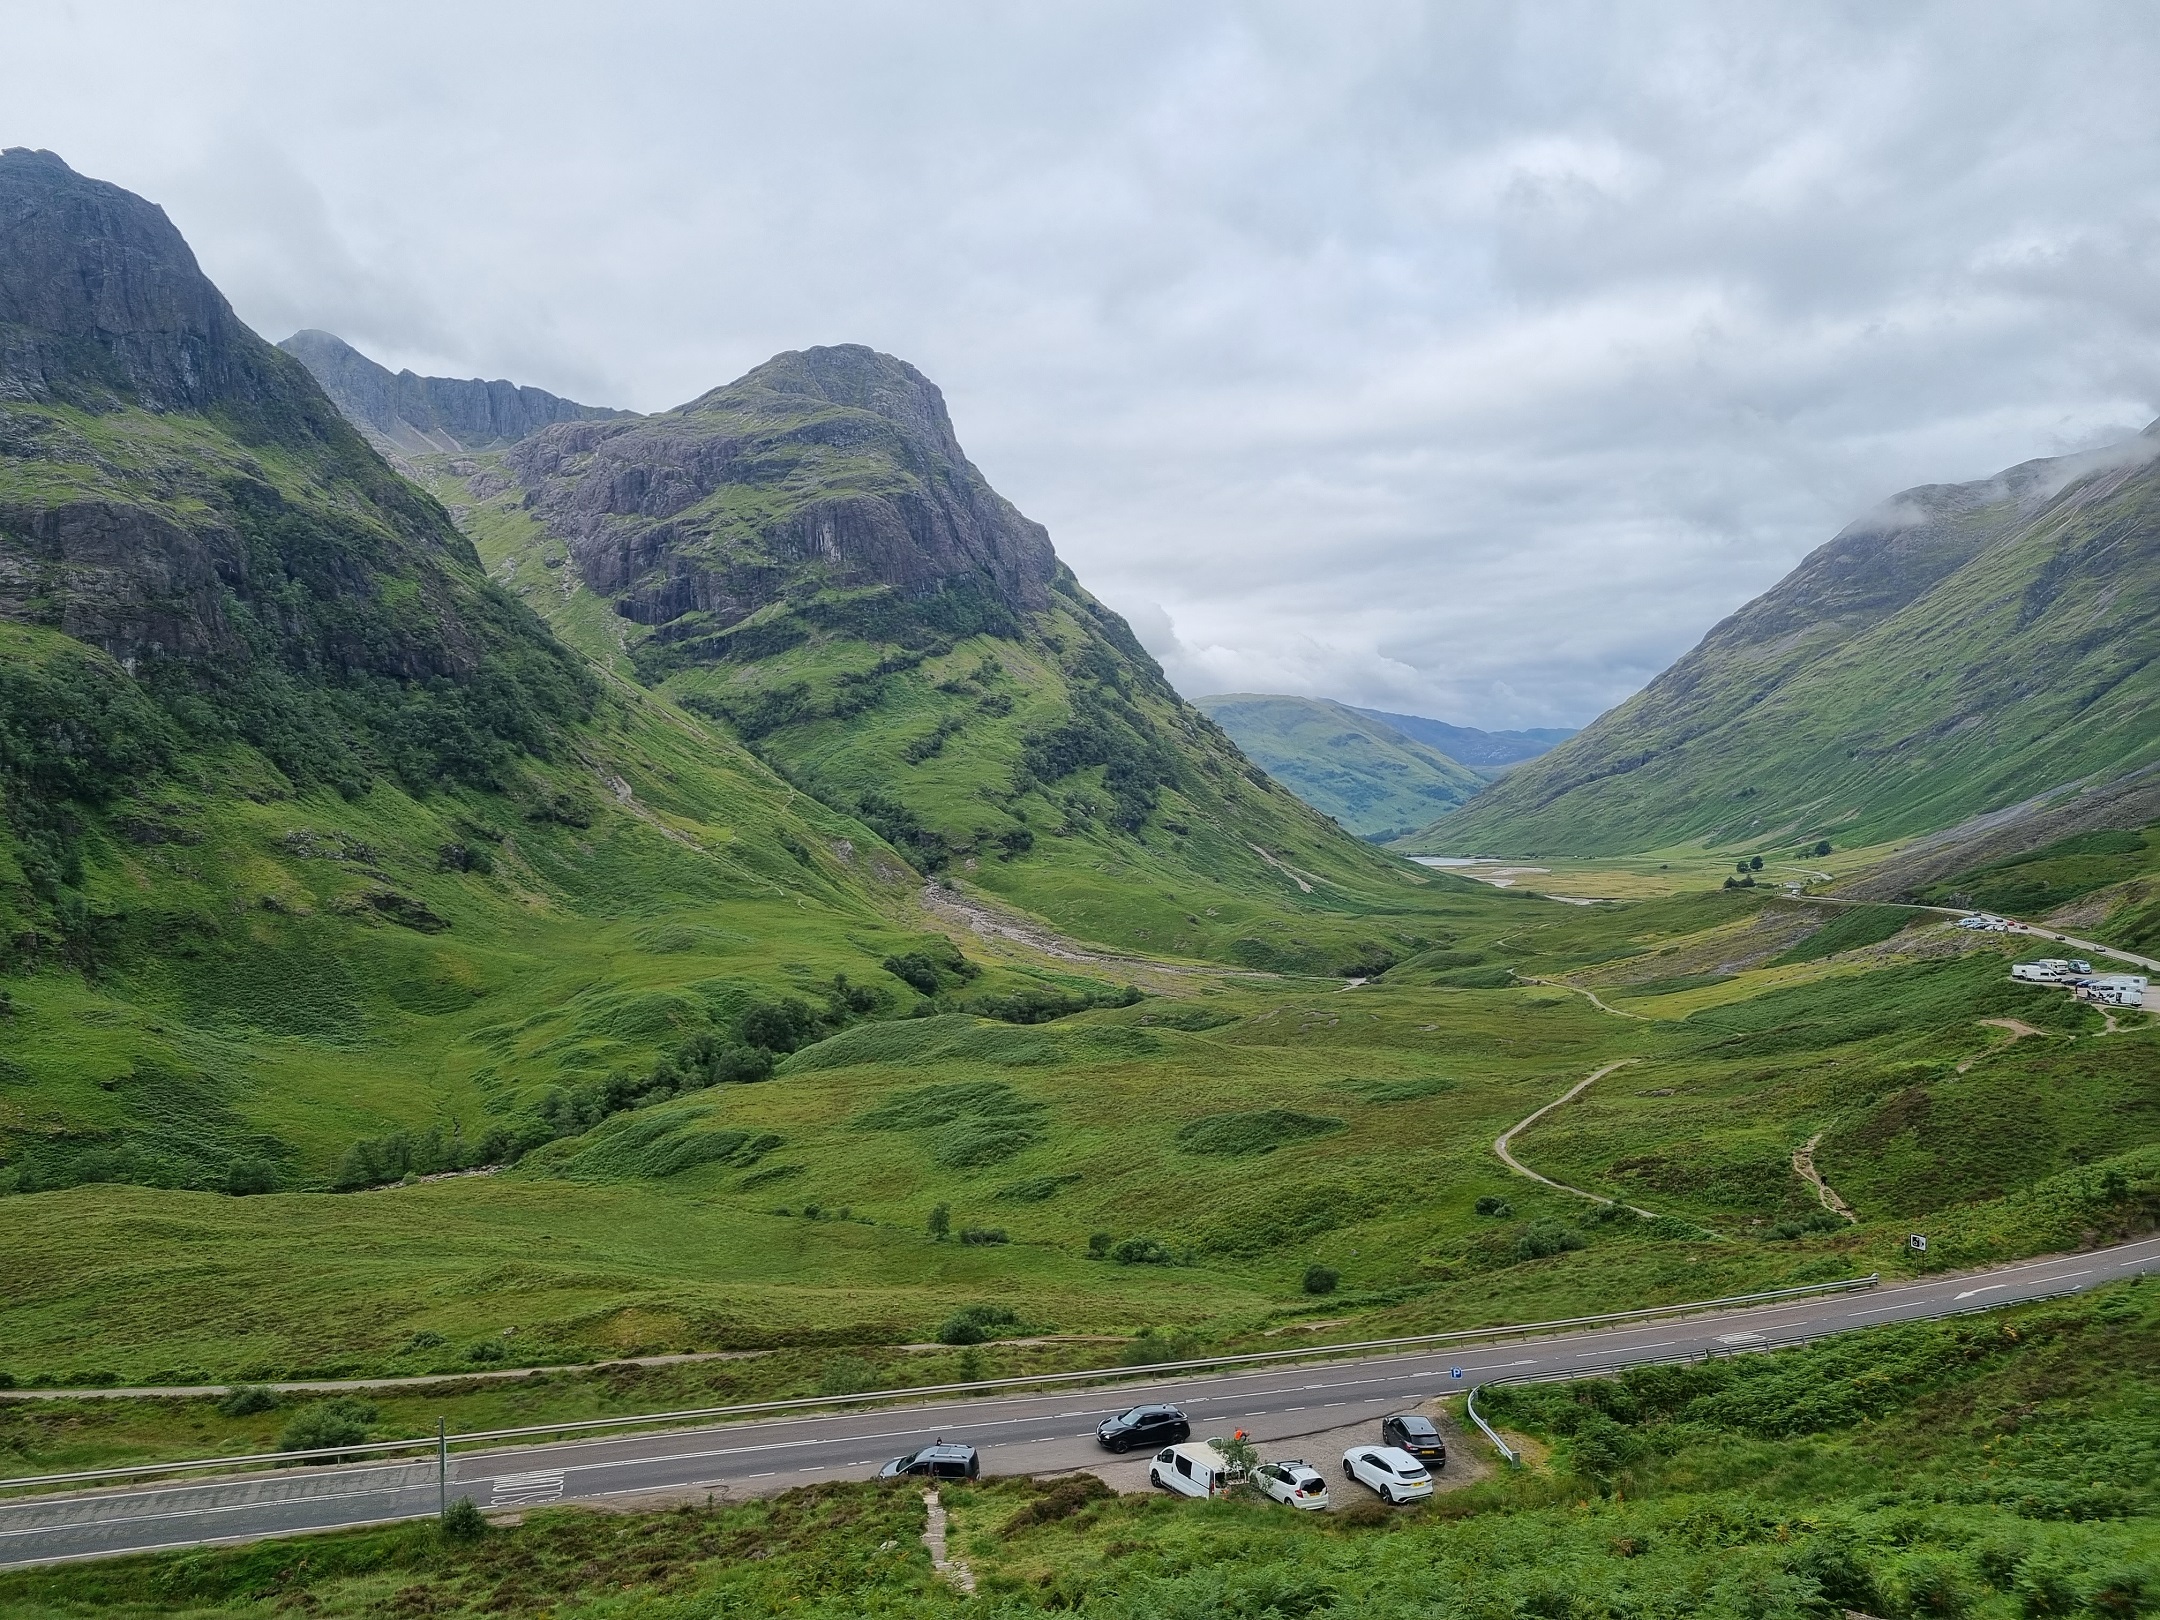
pixel 1454 1372
pixel 1916 1243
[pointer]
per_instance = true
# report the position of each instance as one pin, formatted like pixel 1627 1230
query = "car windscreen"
pixel 1139 1414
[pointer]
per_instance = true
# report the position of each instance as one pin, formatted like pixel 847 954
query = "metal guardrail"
pixel 1312 1352
pixel 1513 1457
pixel 1764 1345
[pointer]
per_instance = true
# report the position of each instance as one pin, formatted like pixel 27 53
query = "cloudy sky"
pixel 1469 359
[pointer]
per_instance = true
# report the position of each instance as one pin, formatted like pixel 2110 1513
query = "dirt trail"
pixel 1803 1163
pixel 953 1569
pixel 1562 984
pixel 2017 1027
pixel 988 922
pixel 1500 1142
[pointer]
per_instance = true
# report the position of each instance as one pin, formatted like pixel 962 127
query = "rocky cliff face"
pixel 405 413
pixel 301 598
pixel 822 473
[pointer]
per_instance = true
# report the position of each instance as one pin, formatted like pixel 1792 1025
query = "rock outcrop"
pixel 409 414
pixel 829 470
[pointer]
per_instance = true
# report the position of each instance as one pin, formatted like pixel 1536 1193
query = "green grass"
pixel 2000 1466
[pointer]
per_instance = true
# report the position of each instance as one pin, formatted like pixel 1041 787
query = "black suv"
pixel 1144 1427
pixel 940 1461
pixel 1415 1435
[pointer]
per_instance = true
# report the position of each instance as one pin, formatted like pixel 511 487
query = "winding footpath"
pixel 1500 1142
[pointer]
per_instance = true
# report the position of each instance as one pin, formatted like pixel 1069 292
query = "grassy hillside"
pixel 1993 1467
pixel 1372 779
pixel 807 558
pixel 1961 651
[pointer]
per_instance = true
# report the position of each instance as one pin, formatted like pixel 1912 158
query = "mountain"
pixel 1965 650
pixel 1467 745
pixel 1345 763
pixel 408 414
pixel 292 798
pixel 807 557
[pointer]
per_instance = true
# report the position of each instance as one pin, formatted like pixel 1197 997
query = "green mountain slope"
pixel 807 557
pixel 1964 649
pixel 308 832
pixel 1370 777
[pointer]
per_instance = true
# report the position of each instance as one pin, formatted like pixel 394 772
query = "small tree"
pixel 1740 866
pixel 1823 848
pixel 462 1520
pixel 1241 1454
pixel 1099 1245
pixel 941 1222
pixel 1754 863
pixel 1321 1279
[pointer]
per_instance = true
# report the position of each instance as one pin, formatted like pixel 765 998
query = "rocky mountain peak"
pixel 850 375
pixel 101 301
pixel 404 413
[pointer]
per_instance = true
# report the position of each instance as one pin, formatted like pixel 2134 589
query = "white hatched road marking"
pixel 528 1490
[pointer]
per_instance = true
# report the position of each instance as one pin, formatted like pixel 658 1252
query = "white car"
pixel 1295 1481
pixel 1389 1470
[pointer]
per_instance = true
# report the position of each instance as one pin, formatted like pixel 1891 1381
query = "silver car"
pixel 1295 1481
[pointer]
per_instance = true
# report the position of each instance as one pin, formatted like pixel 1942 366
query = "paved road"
pixel 1020 1434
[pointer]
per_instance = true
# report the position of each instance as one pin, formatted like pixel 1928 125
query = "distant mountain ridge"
pixel 1963 649
pixel 1467 744
pixel 410 414
pixel 1346 763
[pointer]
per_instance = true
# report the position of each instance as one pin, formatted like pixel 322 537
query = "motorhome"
pixel 2113 990
pixel 2048 970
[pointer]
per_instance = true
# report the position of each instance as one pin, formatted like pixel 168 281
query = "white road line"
pixel 1972 1293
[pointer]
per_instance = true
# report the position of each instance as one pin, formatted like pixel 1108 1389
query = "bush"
pixel 977 1324
pixel 980 1235
pixel 1491 1205
pixel 1099 1245
pixel 1543 1239
pixel 1142 1251
pixel 486 1350
pixel 462 1520
pixel 779 1026
pixel 1367 1514
pixel 245 1400
pixel 940 1223
pixel 248 1176
pixel 340 1422
pixel 1321 1279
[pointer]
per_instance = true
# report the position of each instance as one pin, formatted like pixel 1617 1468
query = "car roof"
pixel 1393 1454
pixel 1411 1420
pixel 946 1448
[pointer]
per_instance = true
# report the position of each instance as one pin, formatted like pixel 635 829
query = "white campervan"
pixel 1193 1469
pixel 2048 970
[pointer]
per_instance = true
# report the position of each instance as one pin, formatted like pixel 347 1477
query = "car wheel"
pixel 1387 1496
pixel 1154 1479
pixel 1348 1472
pixel 1120 1445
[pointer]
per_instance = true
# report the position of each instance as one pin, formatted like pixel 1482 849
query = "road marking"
pixel 527 1490
pixel 1973 1292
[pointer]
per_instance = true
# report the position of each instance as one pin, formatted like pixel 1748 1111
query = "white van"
pixel 2048 970
pixel 1193 1469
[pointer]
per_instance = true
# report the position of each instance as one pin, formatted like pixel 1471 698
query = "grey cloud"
pixel 1468 358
